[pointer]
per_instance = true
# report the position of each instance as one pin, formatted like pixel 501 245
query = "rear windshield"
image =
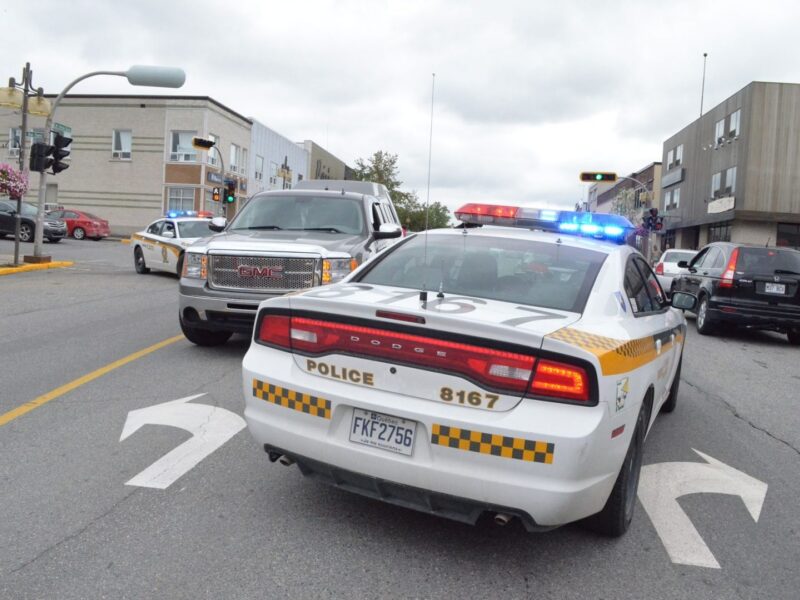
pixel 298 213
pixel 194 229
pixel 768 261
pixel 513 270
pixel 676 257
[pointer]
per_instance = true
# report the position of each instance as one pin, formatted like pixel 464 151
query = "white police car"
pixel 498 370
pixel 162 244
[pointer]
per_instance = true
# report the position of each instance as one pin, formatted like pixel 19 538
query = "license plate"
pixel 382 431
pixel 775 288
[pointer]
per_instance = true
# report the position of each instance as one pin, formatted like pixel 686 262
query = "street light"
pixel 151 76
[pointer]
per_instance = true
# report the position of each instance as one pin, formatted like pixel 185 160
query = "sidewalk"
pixel 7 265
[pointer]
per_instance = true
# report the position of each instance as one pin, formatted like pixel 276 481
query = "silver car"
pixel 667 268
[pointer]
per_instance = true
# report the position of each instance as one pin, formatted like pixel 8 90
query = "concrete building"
pixel 132 158
pixel 276 162
pixel 595 189
pixel 734 173
pixel 322 164
pixel 630 199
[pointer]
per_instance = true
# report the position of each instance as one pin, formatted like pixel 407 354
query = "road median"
pixel 8 269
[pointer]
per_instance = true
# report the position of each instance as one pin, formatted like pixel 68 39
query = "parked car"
pixel 667 266
pixel 81 224
pixel 54 229
pixel 743 285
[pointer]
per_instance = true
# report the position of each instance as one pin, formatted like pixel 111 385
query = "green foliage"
pixel 381 167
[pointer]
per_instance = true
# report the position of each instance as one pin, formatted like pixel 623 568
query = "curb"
pixel 37 267
pixel 125 241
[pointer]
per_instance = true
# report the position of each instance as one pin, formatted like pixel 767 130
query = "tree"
pixel 381 167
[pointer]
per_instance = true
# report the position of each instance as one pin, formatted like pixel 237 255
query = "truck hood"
pixel 300 242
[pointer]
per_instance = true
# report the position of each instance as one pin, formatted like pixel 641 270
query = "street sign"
pixel 64 130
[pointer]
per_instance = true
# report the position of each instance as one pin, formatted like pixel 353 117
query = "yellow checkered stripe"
pixel 489 443
pixel 617 356
pixel 304 403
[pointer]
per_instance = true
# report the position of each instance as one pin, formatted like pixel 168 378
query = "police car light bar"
pixel 596 225
pixel 173 214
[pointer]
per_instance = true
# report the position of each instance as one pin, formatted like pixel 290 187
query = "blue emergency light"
pixel 174 214
pixel 596 225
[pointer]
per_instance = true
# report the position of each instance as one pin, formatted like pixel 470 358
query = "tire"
pixel 53 240
pixel 26 232
pixel 703 322
pixel 672 399
pixel 616 516
pixel 204 337
pixel 179 268
pixel 794 337
pixel 138 261
pixel 78 233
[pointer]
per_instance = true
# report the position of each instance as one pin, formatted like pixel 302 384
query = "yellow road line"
pixel 35 267
pixel 75 383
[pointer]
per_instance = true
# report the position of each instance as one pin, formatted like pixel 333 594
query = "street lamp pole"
pixel 137 75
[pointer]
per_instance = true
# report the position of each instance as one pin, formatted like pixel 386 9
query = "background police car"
pixel 161 245
pixel 431 404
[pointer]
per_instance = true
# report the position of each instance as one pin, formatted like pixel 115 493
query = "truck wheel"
pixel 615 518
pixel 204 337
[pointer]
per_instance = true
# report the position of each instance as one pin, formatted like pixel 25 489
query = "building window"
pixel 672 199
pixel 14 137
pixel 716 184
pixel 121 141
pixel 670 158
pixel 788 235
pixel 180 198
pixel 245 167
pixel 259 170
pixel 667 199
pixel 211 154
pixel 734 127
pixel 719 131
pixel 181 149
pixel 273 173
pixel 678 155
pixel 730 181
pixel 234 162
pixel 719 233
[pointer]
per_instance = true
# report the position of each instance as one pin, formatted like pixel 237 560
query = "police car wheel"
pixel 138 261
pixel 672 399
pixel 703 321
pixel 616 516
pixel 78 233
pixel 204 337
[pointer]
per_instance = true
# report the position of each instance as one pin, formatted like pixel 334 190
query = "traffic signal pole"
pixel 26 87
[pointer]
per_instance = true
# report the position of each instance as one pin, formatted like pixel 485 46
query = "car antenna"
pixel 423 295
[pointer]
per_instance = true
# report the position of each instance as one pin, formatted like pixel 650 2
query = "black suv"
pixel 54 229
pixel 751 286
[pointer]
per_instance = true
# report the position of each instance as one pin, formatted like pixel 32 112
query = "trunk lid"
pixel 767 277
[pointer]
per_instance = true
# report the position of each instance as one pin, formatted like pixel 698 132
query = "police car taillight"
pixel 595 225
pixel 560 380
pixel 276 331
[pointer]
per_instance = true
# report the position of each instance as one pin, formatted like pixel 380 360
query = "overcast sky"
pixel 528 93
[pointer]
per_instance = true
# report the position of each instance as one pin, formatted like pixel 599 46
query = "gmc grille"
pixel 256 273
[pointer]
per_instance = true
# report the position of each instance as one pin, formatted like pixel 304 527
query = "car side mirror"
pixel 683 300
pixel 168 234
pixel 218 224
pixel 388 231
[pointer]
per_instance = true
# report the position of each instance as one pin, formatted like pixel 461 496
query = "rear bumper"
pixel 454 481
pixel 759 318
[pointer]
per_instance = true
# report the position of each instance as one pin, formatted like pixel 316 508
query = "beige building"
pixel 322 164
pixel 132 158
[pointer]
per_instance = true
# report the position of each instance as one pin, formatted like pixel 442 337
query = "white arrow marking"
pixel 662 484
pixel 210 427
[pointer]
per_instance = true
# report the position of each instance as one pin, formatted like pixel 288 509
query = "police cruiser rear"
pixel 512 366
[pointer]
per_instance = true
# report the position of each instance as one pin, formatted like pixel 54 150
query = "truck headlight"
pixel 336 269
pixel 195 265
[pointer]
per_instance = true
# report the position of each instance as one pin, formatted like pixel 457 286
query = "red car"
pixel 81 224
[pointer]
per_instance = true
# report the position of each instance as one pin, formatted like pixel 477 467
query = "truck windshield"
pixel 298 213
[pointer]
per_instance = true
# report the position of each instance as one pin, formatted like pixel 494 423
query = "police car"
pixel 511 366
pixel 162 244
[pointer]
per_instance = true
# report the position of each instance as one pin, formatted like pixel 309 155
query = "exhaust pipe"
pixel 286 461
pixel 502 519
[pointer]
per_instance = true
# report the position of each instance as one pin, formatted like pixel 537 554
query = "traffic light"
pixel 40 156
pixel 202 143
pixel 598 177
pixel 230 191
pixel 59 143
pixel 215 194
pixel 659 224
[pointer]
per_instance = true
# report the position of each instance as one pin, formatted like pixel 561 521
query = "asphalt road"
pixel 237 526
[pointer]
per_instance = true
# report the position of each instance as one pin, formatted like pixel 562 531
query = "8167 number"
pixel 472 398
